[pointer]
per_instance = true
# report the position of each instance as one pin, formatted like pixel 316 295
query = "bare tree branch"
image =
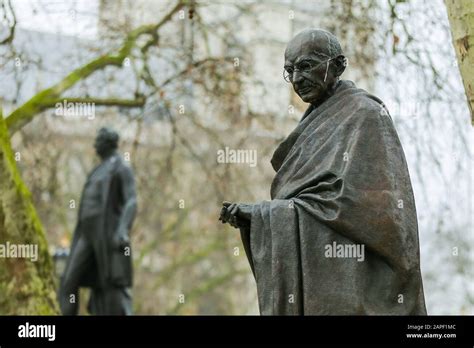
pixel 10 18
pixel 41 101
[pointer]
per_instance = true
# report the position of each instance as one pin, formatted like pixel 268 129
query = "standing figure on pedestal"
pixel 100 256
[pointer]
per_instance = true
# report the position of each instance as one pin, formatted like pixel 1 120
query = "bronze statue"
pixel 100 256
pixel 340 234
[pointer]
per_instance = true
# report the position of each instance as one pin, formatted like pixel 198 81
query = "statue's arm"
pixel 130 202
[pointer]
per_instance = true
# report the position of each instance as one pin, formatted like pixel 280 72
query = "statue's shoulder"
pixel 123 168
pixel 362 103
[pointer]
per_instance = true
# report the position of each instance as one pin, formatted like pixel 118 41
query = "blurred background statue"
pixel 100 256
pixel 340 234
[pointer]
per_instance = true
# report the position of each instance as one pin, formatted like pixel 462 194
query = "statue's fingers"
pixel 227 213
pixel 222 218
pixel 234 210
pixel 221 215
pixel 233 213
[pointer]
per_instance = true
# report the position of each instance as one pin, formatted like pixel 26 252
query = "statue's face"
pixel 306 67
pixel 102 146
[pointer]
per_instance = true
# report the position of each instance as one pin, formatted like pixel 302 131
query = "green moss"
pixel 26 287
pixel 41 101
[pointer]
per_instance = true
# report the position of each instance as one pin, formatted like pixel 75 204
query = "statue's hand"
pixel 236 214
pixel 120 239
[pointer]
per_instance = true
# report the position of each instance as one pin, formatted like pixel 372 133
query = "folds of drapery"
pixel 341 179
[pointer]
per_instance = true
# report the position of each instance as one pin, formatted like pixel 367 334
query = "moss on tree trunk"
pixel 26 286
pixel 461 19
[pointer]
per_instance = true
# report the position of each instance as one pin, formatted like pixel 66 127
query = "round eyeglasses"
pixel 304 68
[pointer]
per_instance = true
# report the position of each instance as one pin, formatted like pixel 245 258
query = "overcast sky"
pixel 75 17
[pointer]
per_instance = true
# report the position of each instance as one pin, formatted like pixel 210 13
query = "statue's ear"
pixel 340 63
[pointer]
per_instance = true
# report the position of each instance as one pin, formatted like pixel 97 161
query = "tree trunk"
pixel 461 19
pixel 26 286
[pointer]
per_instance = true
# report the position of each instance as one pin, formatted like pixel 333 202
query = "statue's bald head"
pixel 324 53
pixel 319 41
